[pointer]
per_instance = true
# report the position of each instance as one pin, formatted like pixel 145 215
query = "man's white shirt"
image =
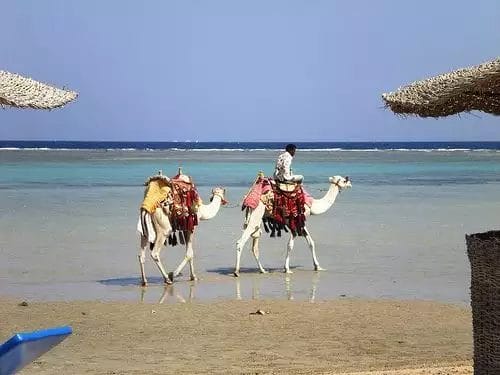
pixel 283 170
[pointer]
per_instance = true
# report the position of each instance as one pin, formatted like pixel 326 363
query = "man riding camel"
pixel 283 169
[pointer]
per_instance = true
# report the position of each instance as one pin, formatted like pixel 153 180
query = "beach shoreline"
pixel 294 337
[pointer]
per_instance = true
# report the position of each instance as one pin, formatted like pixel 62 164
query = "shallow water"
pixel 67 225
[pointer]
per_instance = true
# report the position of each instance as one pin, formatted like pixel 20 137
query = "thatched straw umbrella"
pixel 22 92
pixel 475 88
pixel 464 90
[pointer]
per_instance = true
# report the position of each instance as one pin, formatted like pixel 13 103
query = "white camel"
pixel 161 223
pixel 252 227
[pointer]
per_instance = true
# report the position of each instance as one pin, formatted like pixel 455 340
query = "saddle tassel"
pixel 272 225
pixel 172 239
pixel 266 228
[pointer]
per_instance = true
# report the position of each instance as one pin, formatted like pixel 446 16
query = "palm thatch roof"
pixel 463 90
pixel 22 92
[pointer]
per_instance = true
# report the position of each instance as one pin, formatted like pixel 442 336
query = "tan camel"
pixel 253 221
pixel 160 223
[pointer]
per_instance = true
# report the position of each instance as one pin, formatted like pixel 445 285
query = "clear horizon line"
pixel 240 141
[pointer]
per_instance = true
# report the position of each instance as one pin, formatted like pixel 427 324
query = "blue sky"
pixel 230 70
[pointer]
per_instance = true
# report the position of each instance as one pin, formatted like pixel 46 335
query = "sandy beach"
pixel 331 337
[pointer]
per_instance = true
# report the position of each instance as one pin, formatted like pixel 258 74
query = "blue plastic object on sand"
pixel 22 348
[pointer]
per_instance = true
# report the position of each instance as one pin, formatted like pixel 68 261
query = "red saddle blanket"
pixel 184 206
pixel 288 212
pixel 284 209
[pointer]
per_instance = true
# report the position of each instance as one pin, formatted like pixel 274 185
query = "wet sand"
pixel 292 337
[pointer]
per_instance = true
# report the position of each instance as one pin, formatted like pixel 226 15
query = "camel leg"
pixel 255 250
pixel 187 258
pixel 312 246
pixel 142 259
pixel 289 248
pixel 252 226
pixel 240 244
pixel 190 254
pixel 155 255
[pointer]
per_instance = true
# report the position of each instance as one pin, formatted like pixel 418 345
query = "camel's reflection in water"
pixel 288 287
pixel 186 292
pixel 169 292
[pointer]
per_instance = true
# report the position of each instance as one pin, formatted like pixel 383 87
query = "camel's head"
pixel 341 182
pixel 219 192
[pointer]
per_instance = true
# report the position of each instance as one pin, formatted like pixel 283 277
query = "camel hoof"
pixel 236 274
pixel 168 282
pixel 318 268
pixel 263 271
pixel 193 278
pixel 288 272
pixel 144 284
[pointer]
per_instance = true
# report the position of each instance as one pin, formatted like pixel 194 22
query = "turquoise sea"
pixel 68 217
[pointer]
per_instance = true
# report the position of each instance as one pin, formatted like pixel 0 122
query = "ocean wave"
pixel 121 149
pixel 222 149
pixel 201 149
pixel 453 149
pixel 40 149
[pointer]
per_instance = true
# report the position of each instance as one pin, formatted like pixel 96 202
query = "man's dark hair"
pixel 290 147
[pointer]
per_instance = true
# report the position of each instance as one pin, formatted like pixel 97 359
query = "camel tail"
pixel 247 217
pixel 144 225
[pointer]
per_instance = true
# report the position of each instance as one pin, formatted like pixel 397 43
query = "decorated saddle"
pixel 177 197
pixel 184 203
pixel 156 192
pixel 284 203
